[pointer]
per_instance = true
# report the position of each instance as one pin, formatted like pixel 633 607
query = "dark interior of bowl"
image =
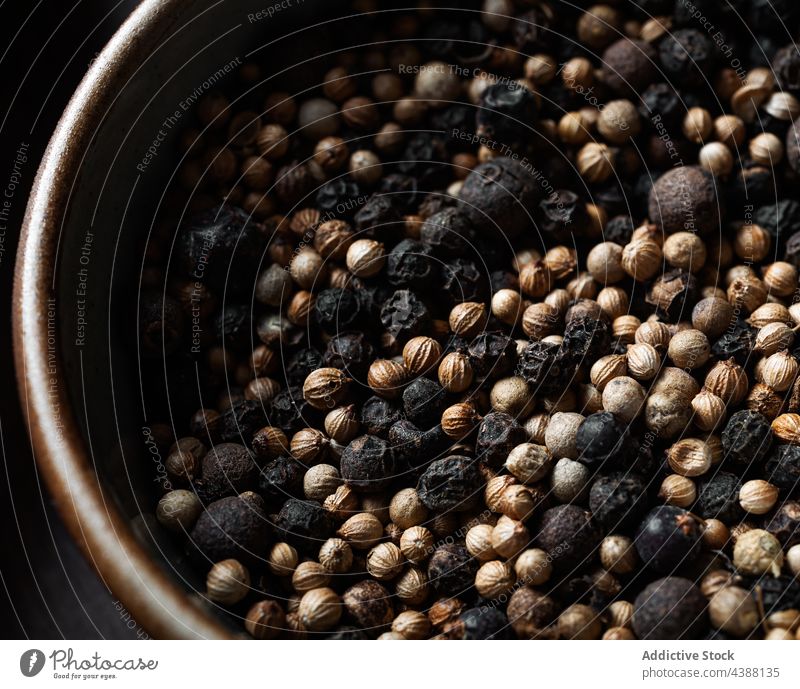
pixel 116 198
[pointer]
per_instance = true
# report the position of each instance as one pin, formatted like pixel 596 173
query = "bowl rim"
pixel 153 599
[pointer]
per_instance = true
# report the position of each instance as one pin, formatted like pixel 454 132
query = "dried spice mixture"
pixel 488 328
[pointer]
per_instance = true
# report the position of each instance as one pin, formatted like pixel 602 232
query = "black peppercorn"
pixel 347 633
pixel 669 539
pixel 661 104
pixel 453 483
pixel 227 469
pixel 737 342
pixel 423 402
pixel 500 194
pixel 498 434
pixel 562 212
pixel 603 441
pixel 685 199
pixel 368 464
pixel 350 352
pixel 506 113
pixel 336 310
pixel 781 220
pixel 232 527
pixel 718 498
pixel 303 524
pixel 462 281
pixel 546 367
pixel 415 447
pixel 425 157
pixel 446 232
pixel 786 68
pixel 378 415
pixel 783 469
pixel 618 500
pixel 777 593
pixel 586 339
pixel 569 535
pixel 289 411
pixel 628 65
pixel 451 570
pixel 492 354
pixel 687 56
pixel 338 197
pixel 241 420
pixel 411 265
pixel 301 363
pixel 747 438
pixel 280 479
pixel 785 524
pixel 478 624
pixel 221 248
pixel 369 605
pixel 380 216
pixel 161 324
pixel 670 608
pixel 404 315
pixel 233 326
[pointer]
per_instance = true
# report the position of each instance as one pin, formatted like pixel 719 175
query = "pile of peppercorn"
pixel 487 329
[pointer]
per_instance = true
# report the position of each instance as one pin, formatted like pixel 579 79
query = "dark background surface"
pixel 47 590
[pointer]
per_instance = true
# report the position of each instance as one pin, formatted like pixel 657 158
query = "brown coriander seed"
pixel 417 543
pixel 455 372
pixel 766 149
pixel 763 399
pixel 386 377
pixel 411 624
pixel 752 242
pixel 598 26
pixel 325 387
pixel 573 130
pixel 533 567
pixel 361 531
pixel 780 278
pixel 641 259
pixel 331 153
pixel 757 552
pixel 697 125
pixel 727 380
pixel 411 586
pixel 618 555
pixel 459 420
pixel 273 141
pixel 420 355
pixel 509 537
pixel 620 613
pixel 654 333
pixel 540 320
pixel 717 158
pixel 786 427
pixel 365 168
pixel 321 481
pixel 178 510
pixel 730 130
pixel 540 68
pixel 265 620
pixel 365 258
pixel 715 534
pixel 342 424
pixel 712 316
pixel 535 279
pixel 577 72
pixel 618 634
pixel 406 509
pixel 594 162
pixel 773 337
pixel 282 559
pixel 614 301
pixel 309 445
pixel 333 238
pixel 689 349
pixel 227 582
pixel 494 578
pixel 733 610
pixel 643 361
pixel 270 442
pixel 779 371
pixel 758 496
pixel 309 575
pixel 468 318
pixel 384 561
pixel 529 463
pixel 709 410
pixel 606 368
pixel 320 609
pixel 678 490
pixel 604 263
pixel 336 556
pixel 519 502
pixel 793 559
pixel 689 457
pixel 685 250
pixel 624 328
pixel 579 622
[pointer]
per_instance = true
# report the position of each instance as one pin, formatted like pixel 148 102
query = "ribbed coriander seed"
pixel 361 531
pixel 320 609
pixel 780 278
pixel 569 480
pixel 507 306
pixel 641 259
pixel 468 319
pixel 618 634
pixel 689 349
pixel 509 537
pixel 325 387
pixel 619 121
pixel 459 420
pixel 779 371
pixel 529 463
pixel 697 125
pixel 365 258
pixel 786 427
pixel 733 610
pixel 321 481
pixel 614 301
pixel 758 552
pixel 309 445
pixel 533 567
pixel 227 582
pixel 643 361
pixel 416 543
pixel 606 368
pixel 752 242
pixel 494 578
pixel 265 620
pixel 604 263
pixel 716 158
pixel 386 377
pixel 618 555
pixel 178 510
pixel 540 320
pixel 342 503
pixel 519 502
pixel 793 559
pixel 716 534
pixel 406 509
pixel 709 410
pixel 411 586
pixel 384 561
pixel 727 380
pixel 766 149
pixel 512 396
pixel 310 575
pixel 455 372
pixel 594 162
pixel 758 496
pixel 580 622
pixel 479 542
pixel 282 559
pixel 411 624
pixel 689 457
pixel 341 424
pixel 336 556
pixel 420 354
pixel 678 490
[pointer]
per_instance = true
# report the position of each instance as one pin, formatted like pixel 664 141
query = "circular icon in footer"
pixel 31 662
